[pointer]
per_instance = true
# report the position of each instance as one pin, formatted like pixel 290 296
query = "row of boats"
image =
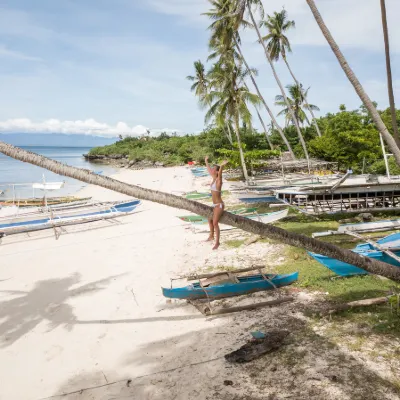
pixel 313 194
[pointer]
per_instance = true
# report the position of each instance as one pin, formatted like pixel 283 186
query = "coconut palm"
pixel 298 104
pixel 389 74
pixel 258 228
pixel 278 46
pixel 230 99
pixel 223 36
pixel 240 8
pixel 200 80
pixel 356 83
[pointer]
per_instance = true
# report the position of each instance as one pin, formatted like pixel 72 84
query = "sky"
pixel 110 67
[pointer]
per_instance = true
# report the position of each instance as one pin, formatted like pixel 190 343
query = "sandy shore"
pixel 83 316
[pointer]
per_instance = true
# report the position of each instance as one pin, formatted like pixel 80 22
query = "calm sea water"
pixel 17 172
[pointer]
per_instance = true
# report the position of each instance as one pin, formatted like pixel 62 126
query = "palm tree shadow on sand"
pixel 308 366
pixel 47 301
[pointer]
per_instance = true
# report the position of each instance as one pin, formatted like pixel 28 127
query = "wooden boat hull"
pixel 264 218
pixel 199 218
pixel 246 285
pixel 343 269
pixel 113 211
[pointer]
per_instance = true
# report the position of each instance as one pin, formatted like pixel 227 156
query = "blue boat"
pixel 391 242
pixel 245 285
pixel 36 221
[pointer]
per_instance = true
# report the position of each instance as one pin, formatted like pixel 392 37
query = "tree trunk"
pixel 265 130
pixel 273 119
pixel 278 81
pixel 242 160
pixel 228 134
pixel 258 228
pixel 356 83
pixel 389 75
pixel 305 98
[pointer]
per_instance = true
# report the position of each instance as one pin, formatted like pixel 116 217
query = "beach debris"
pixel 228 382
pixel 256 348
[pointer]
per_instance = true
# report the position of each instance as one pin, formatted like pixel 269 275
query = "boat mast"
pixel 385 157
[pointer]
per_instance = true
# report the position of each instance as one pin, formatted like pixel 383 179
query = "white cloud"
pixel 86 127
pixel 353 23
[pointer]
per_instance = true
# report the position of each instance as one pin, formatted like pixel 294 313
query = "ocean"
pixel 17 172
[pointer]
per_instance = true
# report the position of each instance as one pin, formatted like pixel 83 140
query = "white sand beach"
pixel 83 317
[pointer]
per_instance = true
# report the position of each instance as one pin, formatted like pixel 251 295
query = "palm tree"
pixel 278 45
pixel 389 74
pixel 201 86
pixel 230 99
pixel 241 6
pixel 356 83
pixel 273 232
pixel 297 102
pixel 200 81
pixel 224 35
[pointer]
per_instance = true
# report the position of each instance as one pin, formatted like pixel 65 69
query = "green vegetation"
pixel 176 150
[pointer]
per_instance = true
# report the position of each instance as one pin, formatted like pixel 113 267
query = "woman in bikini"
pixel 218 204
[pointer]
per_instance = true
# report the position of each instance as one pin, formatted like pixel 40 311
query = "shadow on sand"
pixel 47 301
pixel 183 367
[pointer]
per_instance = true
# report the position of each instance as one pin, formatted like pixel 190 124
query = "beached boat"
pixel 348 194
pixel 199 218
pixel 35 202
pixel 267 218
pixel 49 219
pixel 197 195
pixel 238 286
pixel 386 250
pixel 257 196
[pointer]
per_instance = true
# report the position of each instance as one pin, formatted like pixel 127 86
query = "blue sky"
pixel 112 66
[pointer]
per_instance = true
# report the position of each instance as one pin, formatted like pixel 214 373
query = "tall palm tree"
pixel 389 74
pixel 241 7
pixel 298 103
pixel 230 99
pixel 223 36
pixel 356 83
pixel 200 81
pixel 273 232
pixel 201 86
pixel 278 46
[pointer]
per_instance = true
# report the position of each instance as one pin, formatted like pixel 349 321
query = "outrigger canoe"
pixel 386 250
pixel 243 285
pixel 199 218
pixel 267 218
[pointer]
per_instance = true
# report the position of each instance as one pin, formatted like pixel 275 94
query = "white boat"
pixel 264 218
pixel 48 186
pixel 50 218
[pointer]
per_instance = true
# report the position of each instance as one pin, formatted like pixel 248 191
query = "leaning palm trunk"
pixel 242 160
pixel 265 130
pixel 389 75
pixel 258 228
pixel 305 98
pixel 278 81
pixel 262 124
pixel 273 119
pixel 356 83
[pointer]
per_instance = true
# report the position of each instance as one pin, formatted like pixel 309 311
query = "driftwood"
pixel 212 275
pixel 359 303
pixel 257 347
